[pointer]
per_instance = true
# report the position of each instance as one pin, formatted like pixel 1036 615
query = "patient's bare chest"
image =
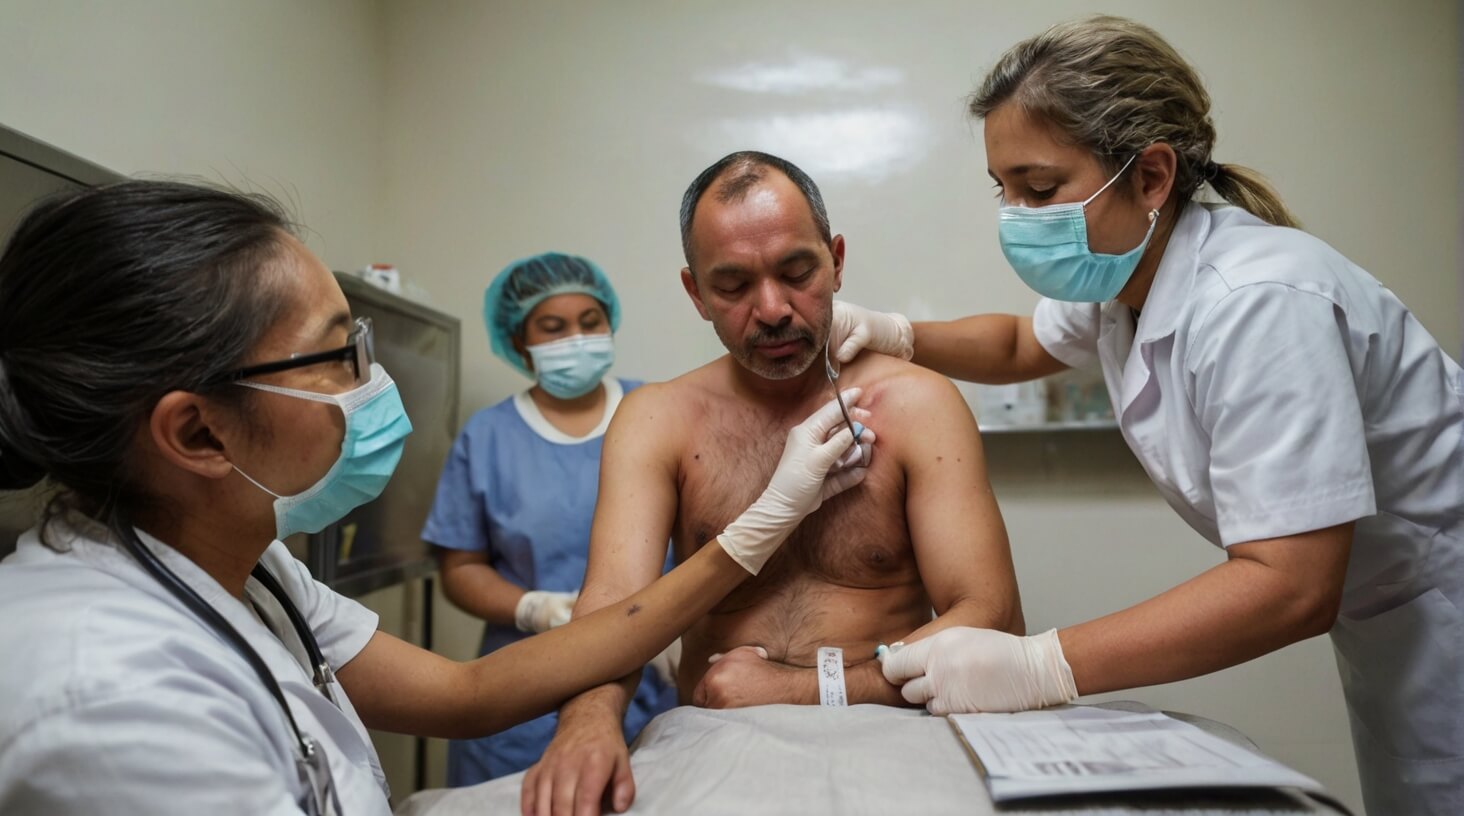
pixel 856 539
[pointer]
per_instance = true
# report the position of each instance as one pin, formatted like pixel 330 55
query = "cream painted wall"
pixel 274 95
pixel 517 128
pixel 453 136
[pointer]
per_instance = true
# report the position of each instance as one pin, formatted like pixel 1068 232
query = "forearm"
pixel 988 348
pixel 1232 613
pixel 607 703
pixel 1005 617
pixel 539 673
pixel 863 683
pixel 482 592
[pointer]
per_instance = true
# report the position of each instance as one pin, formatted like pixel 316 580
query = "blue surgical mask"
pixel 1048 248
pixel 572 367
pixel 376 430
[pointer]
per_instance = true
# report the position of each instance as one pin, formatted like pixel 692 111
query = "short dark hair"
pixel 739 172
pixel 110 297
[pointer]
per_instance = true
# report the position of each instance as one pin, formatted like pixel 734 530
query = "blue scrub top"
pixel 525 492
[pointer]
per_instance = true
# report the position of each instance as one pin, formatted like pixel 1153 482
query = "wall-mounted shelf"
pixel 1046 427
pixel 1015 408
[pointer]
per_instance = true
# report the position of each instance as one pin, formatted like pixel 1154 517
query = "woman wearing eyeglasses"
pixel 188 378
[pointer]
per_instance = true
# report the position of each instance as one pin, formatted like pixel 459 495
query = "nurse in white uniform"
pixel 188 377
pixel 1285 403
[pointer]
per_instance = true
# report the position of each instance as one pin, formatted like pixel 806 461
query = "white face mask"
pixel 572 367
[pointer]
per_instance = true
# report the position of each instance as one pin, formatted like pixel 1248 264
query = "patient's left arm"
pixel 960 541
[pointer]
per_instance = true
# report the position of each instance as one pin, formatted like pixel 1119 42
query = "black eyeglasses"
pixel 359 353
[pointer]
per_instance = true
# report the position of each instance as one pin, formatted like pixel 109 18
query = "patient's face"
pixel 764 277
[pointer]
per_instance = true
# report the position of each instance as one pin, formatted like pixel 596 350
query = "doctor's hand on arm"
pixel 988 348
pixel 1266 595
pixel 965 669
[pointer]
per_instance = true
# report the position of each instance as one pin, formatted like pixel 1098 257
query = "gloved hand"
pixel 960 670
pixel 668 662
pixel 855 328
pixel 808 473
pixel 540 611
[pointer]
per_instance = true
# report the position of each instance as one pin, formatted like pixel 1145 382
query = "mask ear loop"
pixel 254 482
pixel 1110 181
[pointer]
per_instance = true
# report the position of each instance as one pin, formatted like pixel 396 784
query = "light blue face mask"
pixel 376 431
pixel 1048 248
pixel 572 367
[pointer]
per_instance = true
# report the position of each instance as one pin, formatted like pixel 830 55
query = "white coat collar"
pixel 94 544
pixel 1175 276
pixel 1126 347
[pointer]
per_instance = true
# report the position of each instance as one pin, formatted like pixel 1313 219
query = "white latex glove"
pixel 856 328
pixel 961 670
pixel 809 472
pixel 668 662
pixel 540 611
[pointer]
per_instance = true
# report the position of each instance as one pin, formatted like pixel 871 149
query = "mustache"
pixel 776 337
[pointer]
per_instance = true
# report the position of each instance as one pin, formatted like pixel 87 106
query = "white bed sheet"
pixel 865 759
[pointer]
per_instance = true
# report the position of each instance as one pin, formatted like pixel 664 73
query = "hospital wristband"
pixel 830 670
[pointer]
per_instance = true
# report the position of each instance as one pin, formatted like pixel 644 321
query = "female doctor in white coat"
pixel 1284 402
pixel 190 377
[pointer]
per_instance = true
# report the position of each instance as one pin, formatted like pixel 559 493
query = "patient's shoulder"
pixel 665 408
pixel 677 395
pixel 647 406
pixel 892 385
pixel 911 408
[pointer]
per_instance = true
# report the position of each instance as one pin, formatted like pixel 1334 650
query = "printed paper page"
pixel 1086 749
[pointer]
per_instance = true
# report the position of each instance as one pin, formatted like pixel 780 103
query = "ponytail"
pixel 1249 190
pixel 1115 87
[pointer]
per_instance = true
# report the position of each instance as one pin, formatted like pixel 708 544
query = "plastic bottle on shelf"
pixel 382 276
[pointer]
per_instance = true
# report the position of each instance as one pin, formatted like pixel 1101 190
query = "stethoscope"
pixel 310 762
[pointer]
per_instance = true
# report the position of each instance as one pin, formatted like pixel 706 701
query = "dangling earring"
pixel 1153 214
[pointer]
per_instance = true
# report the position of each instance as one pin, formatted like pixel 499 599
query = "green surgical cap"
pixel 526 283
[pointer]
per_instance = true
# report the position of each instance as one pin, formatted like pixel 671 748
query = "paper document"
pixel 1089 750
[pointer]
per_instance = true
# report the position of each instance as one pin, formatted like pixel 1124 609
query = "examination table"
pixel 865 759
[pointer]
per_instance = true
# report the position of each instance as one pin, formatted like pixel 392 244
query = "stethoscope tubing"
pixel 211 617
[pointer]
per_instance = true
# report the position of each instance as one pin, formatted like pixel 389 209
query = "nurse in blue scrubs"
pixel 511 521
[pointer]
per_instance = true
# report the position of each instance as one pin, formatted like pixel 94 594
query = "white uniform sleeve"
pixel 1274 389
pixel 1069 331
pixel 182 748
pixel 341 626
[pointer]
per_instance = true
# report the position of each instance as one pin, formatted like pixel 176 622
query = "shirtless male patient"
pixel 682 458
